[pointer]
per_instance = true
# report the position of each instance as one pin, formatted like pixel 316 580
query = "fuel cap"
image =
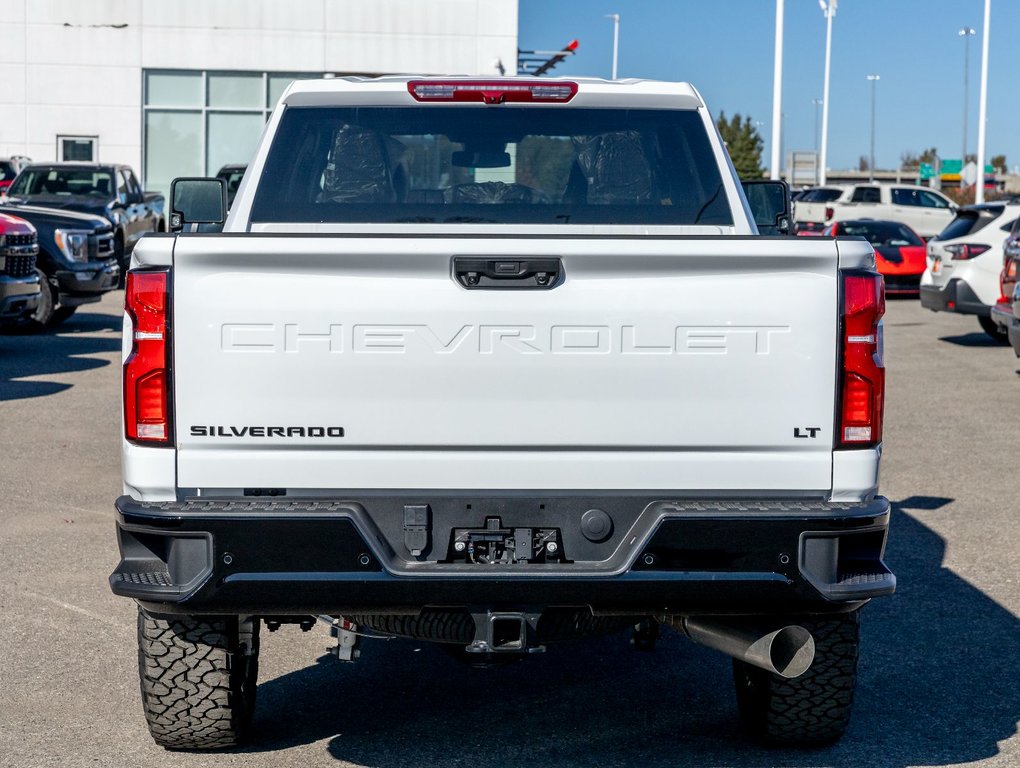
pixel 596 525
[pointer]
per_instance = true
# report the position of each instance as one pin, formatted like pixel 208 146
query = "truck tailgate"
pixel 657 363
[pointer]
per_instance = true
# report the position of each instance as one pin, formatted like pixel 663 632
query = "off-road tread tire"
pixel 813 709
pixel 198 683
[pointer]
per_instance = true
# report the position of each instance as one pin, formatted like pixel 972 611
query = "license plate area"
pixel 494 544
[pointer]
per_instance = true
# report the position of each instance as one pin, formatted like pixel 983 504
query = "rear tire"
pixel 810 710
pixel 994 330
pixel 62 314
pixel 198 679
pixel 123 260
pixel 43 314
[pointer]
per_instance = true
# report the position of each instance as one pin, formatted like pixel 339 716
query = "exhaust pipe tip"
pixel 790 650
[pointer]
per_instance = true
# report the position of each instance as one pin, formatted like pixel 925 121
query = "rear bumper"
pixel 329 557
pixel 1002 315
pixel 901 285
pixel 1014 330
pixel 956 296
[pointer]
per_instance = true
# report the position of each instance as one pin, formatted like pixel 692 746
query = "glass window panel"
pixel 278 84
pixel 173 147
pixel 232 138
pixel 77 150
pixel 237 90
pixel 455 164
pixel 173 89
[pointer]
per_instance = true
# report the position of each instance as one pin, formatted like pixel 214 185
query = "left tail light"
pixel 147 369
pixel 862 375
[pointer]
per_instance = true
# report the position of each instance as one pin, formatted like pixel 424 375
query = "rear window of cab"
pixel 456 164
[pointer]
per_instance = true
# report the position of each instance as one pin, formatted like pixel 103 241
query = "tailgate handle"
pixel 508 272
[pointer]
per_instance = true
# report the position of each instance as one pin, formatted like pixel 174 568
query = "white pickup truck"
pixel 498 364
pixel 926 211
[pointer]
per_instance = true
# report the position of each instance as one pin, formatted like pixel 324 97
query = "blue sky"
pixel 725 48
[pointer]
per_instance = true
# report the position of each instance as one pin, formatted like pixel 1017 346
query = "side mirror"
pixel 197 201
pixel 770 205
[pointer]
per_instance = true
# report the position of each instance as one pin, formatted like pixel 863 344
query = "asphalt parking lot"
pixel 940 673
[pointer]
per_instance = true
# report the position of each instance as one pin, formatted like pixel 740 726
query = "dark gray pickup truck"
pixel 107 190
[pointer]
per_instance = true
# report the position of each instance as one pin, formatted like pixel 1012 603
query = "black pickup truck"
pixel 107 190
pixel 76 262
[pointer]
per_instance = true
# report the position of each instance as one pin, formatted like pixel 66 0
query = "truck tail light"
pixel 829 213
pixel 962 252
pixel 147 368
pixel 493 92
pixel 862 374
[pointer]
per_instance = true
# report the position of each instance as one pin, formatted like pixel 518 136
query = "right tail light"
pixel 147 369
pixel 862 374
pixel 962 252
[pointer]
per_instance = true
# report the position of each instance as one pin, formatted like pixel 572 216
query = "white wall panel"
pixel 14 11
pixel 231 49
pixel 82 12
pixel 497 17
pixel 118 86
pixel 113 125
pixel 83 46
pixel 13 34
pixel 234 14
pixel 12 76
pixel 436 18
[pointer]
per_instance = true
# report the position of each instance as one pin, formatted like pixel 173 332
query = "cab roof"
pixel 392 90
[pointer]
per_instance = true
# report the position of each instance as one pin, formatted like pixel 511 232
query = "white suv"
pixel 965 260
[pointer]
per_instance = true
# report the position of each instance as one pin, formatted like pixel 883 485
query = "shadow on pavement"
pixel 977 339
pixel 64 349
pixel 937 687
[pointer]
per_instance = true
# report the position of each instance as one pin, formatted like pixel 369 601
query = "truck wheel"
pixel 43 314
pixel 198 679
pixel 993 329
pixel 62 314
pixel 123 260
pixel 810 710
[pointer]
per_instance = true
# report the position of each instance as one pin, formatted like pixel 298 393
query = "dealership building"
pixel 181 88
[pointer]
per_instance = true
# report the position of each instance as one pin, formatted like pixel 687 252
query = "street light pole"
pixel 616 39
pixel 829 9
pixel 777 95
pixel 979 193
pixel 817 103
pixel 871 163
pixel 966 33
